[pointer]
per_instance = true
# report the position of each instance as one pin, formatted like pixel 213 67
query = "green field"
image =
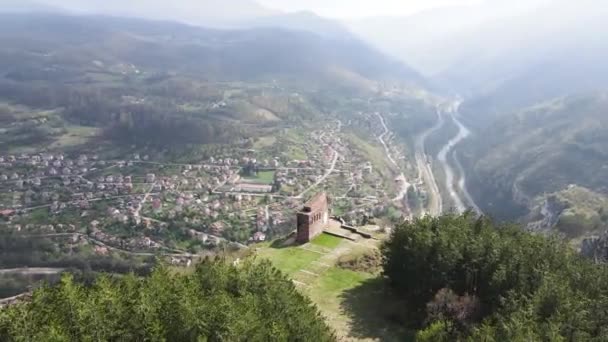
pixel 292 141
pixel 76 135
pixel 289 260
pixel 371 152
pixel 264 142
pixel 327 241
pixel 296 153
pixel 337 280
pixel 266 177
pixel 357 305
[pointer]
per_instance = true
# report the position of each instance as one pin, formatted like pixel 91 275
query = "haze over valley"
pixel 417 170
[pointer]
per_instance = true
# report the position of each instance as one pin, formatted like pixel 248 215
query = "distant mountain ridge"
pixel 21 6
pixel 434 40
pixel 231 14
pixel 137 81
pixel 303 21
pixel 557 50
pixel 222 54
pixel 198 12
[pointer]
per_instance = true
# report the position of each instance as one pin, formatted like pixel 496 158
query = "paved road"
pixel 329 171
pixel 8 301
pixel 32 270
pixel 141 204
pixel 381 138
pixel 88 200
pixel 323 178
pixel 402 195
pixel 435 206
pixel 164 251
pixel 26 271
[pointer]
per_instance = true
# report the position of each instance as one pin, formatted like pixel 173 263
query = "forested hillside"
pixel 465 278
pixel 543 150
pixel 141 81
pixel 218 302
pixel 215 54
pixel 533 82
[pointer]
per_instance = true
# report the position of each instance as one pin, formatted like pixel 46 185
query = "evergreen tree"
pixel 218 302
pixel 485 282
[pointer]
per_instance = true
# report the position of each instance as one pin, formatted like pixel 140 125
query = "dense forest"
pixel 464 278
pixel 539 150
pixel 217 302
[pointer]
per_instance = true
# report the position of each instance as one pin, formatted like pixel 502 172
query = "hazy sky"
pixel 362 8
pixel 339 9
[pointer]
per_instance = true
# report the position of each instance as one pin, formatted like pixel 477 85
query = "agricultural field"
pixel 262 177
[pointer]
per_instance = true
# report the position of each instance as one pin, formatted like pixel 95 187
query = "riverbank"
pixel 439 168
pixel 455 181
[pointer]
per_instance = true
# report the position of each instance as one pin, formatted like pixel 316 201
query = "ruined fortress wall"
pixel 313 218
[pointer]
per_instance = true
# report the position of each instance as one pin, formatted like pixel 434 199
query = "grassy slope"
pixel 373 152
pixel 288 260
pixel 327 241
pixel 356 304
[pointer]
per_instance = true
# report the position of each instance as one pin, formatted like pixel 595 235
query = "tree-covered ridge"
pixel 217 302
pixel 466 279
pixel 539 150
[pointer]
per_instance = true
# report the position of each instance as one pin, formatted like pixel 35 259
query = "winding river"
pixel 458 188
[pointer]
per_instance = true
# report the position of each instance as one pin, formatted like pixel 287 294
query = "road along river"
pixel 462 184
pixel 435 205
pixel 448 149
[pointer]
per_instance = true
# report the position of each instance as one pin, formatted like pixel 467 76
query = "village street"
pixel 332 164
pixel 404 185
